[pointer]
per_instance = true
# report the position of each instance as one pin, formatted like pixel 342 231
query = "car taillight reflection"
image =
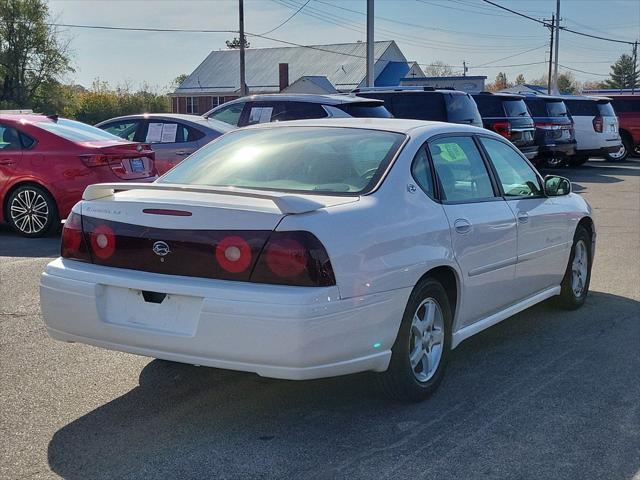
pixel 233 254
pixel 503 128
pixel 286 257
pixel 103 242
pixel 72 245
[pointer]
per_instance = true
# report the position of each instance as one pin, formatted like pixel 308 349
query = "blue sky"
pixel 451 31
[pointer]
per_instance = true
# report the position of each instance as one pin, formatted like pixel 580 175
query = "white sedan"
pixel 318 248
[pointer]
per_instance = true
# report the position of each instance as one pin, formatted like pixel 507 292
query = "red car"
pixel 46 163
pixel 627 108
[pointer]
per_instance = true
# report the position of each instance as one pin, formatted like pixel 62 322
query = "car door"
pixel 543 223
pixel 483 227
pixel 10 154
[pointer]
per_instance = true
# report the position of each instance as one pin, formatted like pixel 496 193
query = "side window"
pixel 462 173
pixel 125 129
pixel 9 139
pixel 421 171
pixel 229 114
pixel 297 111
pixel 26 141
pixel 190 134
pixel 419 106
pixel 514 174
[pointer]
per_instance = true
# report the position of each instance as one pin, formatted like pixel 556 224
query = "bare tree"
pixel 438 69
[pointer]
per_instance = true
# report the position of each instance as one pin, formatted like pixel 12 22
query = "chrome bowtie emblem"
pixel 161 249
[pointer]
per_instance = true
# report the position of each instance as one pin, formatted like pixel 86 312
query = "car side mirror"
pixel 556 186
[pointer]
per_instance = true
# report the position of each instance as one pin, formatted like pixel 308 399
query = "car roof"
pixel 529 96
pixel 396 90
pixel 328 99
pixel 25 117
pixel 194 119
pixel 397 125
pixel 503 95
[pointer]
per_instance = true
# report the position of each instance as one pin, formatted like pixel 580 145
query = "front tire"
pixel 423 345
pixel 31 211
pixel 577 160
pixel 575 284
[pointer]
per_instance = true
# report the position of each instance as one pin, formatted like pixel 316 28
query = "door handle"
pixel 6 161
pixel 523 217
pixel 462 226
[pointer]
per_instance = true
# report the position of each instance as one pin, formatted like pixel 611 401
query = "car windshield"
pixel 556 109
pixel 462 109
pixel 373 110
pixel 606 109
pixel 301 159
pixel 515 108
pixel 76 131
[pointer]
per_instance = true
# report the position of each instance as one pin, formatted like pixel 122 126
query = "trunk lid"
pixel 126 160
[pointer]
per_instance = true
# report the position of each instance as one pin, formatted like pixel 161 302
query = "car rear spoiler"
pixel 286 203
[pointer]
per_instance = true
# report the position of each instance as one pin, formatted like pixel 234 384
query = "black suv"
pixel 507 114
pixel 555 135
pixel 426 103
pixel 279 107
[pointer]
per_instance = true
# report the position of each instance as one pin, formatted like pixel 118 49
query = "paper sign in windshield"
pixel 260 114
pixel 162 132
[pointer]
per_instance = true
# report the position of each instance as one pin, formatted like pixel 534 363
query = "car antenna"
pixel 53 117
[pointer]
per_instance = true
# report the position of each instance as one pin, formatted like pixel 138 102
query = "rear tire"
pixel 31 211
pixel 621 155
pixel 423 345
pixel 575 284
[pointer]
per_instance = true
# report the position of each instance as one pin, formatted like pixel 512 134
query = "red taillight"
pixel 598 124
pixel 100 160
pixel 73 245
pixel 503 128
pixel 103 242
pixel 233 254
pixel 294 258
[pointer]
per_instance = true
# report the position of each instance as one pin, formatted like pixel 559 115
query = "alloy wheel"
pixel 427 340
pixel 579 268
pixel 29 211
pixel 621 153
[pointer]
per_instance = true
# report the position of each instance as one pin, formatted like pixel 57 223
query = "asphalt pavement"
pixel 546 394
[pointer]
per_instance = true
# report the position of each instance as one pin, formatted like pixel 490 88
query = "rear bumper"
pixel 597 152
pixel 530 151
pixel 275 331
pixel 557 149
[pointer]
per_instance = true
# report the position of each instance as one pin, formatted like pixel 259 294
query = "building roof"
pixel 343 64
pixel 311 84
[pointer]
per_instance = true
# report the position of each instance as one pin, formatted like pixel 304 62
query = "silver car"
pixel 172 136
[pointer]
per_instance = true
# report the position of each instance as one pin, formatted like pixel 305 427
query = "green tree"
pixel 179 80
pixel 235 43
pixel 520 79
pixel 622 73
pixel 32 56
pixel 438 69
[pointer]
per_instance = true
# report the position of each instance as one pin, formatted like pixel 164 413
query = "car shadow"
pixel 14 245
pixel 596 171
pixel 547 387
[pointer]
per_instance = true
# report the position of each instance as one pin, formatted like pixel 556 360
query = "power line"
pixel 514 55
pixel 497 5
pixel 289 18
pixel 139 29
pixel 583 71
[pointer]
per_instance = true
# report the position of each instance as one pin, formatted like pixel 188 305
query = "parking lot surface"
pixel 546 394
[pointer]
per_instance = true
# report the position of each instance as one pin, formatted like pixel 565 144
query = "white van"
pixel 596 127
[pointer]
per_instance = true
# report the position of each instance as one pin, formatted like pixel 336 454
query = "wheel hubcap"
pixel 29 211
pixel 620 153
pixel 554 161
pixel 427 340
pixel 579 269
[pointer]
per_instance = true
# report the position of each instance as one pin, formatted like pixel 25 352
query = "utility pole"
pixel 243 83
pixel 553 20
pixel 370 50
pixel 465 69
pixel 556 46
pixel 635 66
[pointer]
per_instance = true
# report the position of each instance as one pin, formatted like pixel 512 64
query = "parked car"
pixel 596 127
pixel 46 163
pixel 425 103
pixel 279 107
pixel 555 135
pixel 172 136
pixel 508 115
pixel 627 109
pixel 318 248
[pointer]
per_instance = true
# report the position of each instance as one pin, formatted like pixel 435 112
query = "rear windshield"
pixel 606 109
pixel 364 110
pixel 582 107
pixel 462 109
pixel 556 109
pixel 328 160
pixel 75 131
pixel 515 108
pixel 413 105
